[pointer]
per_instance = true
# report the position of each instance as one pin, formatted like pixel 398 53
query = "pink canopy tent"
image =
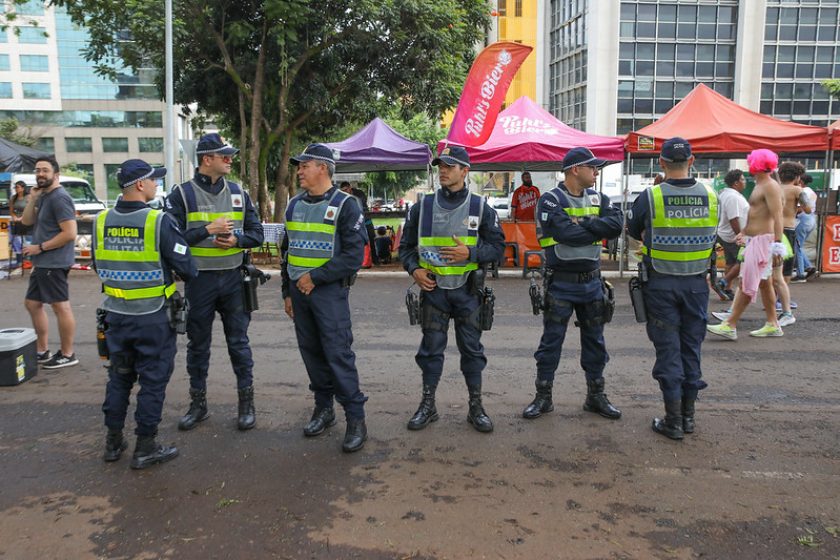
pixel 528 137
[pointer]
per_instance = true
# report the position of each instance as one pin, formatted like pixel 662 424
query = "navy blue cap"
pixel 581 156
pixel 675 149
pixel 213 144
pixel 453 155
pixel 134 170
pixel 318 152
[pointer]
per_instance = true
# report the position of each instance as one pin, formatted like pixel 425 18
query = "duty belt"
pixel 575 277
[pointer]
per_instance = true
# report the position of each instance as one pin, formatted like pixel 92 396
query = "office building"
pixel 612 66
pixel 91 121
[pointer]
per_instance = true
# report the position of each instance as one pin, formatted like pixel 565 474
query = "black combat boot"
pixel 426 413
pixel 597 401
pixel 355 436
pixel 542 402
pixel 197 412
pixel 322 418
pixel 114 445
pixel 672 425
pixel 148 452
pixel 688 412
pixel 247 415
pixel 476 416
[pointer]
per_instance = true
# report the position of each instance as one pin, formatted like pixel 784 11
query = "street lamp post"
pixel 171 141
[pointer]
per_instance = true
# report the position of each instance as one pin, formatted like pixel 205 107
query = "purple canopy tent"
pixel 378 147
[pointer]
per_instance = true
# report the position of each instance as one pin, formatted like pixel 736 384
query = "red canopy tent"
pixel 835 134
pixel 527 136
pixel 714 124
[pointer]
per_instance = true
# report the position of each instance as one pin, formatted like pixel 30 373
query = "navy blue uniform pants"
pixel 325 337
pixel 462 306
pixel 210 292
pixel 676 309
pixel 142 349
pixel 565 298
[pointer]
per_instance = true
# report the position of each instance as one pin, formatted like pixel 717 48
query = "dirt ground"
pixel 760 479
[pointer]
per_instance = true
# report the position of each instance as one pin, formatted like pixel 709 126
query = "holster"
pixel 552 308
pixel 252 278
pixel 412 305
pixel 609 300
pixel 637 298
pixel 431 317
pixel 487 309
pixel 350 280
pixel 179 309
pixel 476 281
pixel 101 337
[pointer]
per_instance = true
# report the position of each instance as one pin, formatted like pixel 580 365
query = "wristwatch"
pixel 41 247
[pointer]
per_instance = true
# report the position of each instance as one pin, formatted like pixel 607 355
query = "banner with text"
pixel 484 92
pixel 831 245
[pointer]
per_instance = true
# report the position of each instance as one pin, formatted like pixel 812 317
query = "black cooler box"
pixel 18 356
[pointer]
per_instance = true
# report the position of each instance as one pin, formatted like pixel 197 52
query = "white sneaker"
pixel 721 315
pixel 786 319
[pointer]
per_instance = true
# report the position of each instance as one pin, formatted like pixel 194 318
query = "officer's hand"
pixel 423 278
pixel 219 225
pixel 459 252
pixel 287 303
pixel 227 242
pixel 305 284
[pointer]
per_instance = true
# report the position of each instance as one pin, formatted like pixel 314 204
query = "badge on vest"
pixel 472 224
pixel 544 216
pixel 236 200
pixel 595 200
pixel 331 213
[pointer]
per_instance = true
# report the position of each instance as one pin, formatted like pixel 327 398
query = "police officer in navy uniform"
pixel 219 222
pixel 572 220
pixel 324 246
pixel 135 250
pixel 677 221
pixel 447 237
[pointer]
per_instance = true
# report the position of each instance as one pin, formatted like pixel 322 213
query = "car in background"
pixel 501 205
pixel 84 199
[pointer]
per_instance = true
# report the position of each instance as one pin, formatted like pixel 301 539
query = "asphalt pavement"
pixel 759 479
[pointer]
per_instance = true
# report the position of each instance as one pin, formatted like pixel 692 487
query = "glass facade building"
pixel 49 87
pixel 567 62
pixel 665 48
pixel 801 49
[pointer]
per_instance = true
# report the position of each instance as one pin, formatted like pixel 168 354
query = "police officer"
pixel 218 221
pixel 572 220
pixel 324 246
pixel 677 220
pixel 135 249
pixel 446 238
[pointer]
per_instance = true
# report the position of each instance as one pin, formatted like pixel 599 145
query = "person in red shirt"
pixel 524 201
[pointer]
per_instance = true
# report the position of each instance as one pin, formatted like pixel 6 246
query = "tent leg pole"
pixel 624 188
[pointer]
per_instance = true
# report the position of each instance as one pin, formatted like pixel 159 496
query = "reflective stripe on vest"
pixel 683 228
pixel 578 207
pixel 202 208
pixel 311 229
pixel 127 257
pixel 437 226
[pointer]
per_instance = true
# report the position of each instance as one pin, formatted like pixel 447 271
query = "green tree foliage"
pixel 10 130
pixel 278 73
pixel 832 87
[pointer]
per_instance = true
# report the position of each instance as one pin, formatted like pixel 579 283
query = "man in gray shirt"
pixel 51 210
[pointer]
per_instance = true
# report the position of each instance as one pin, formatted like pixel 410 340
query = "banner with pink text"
pixel 484 92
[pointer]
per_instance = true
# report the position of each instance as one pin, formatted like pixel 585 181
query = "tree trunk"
pixel 256 186
pixel 243 140
pixel 285 187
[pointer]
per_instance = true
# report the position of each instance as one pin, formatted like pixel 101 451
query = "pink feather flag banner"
pixel 484 92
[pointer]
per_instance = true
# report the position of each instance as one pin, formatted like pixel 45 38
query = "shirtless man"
pixel 790 173
pixel 764 249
